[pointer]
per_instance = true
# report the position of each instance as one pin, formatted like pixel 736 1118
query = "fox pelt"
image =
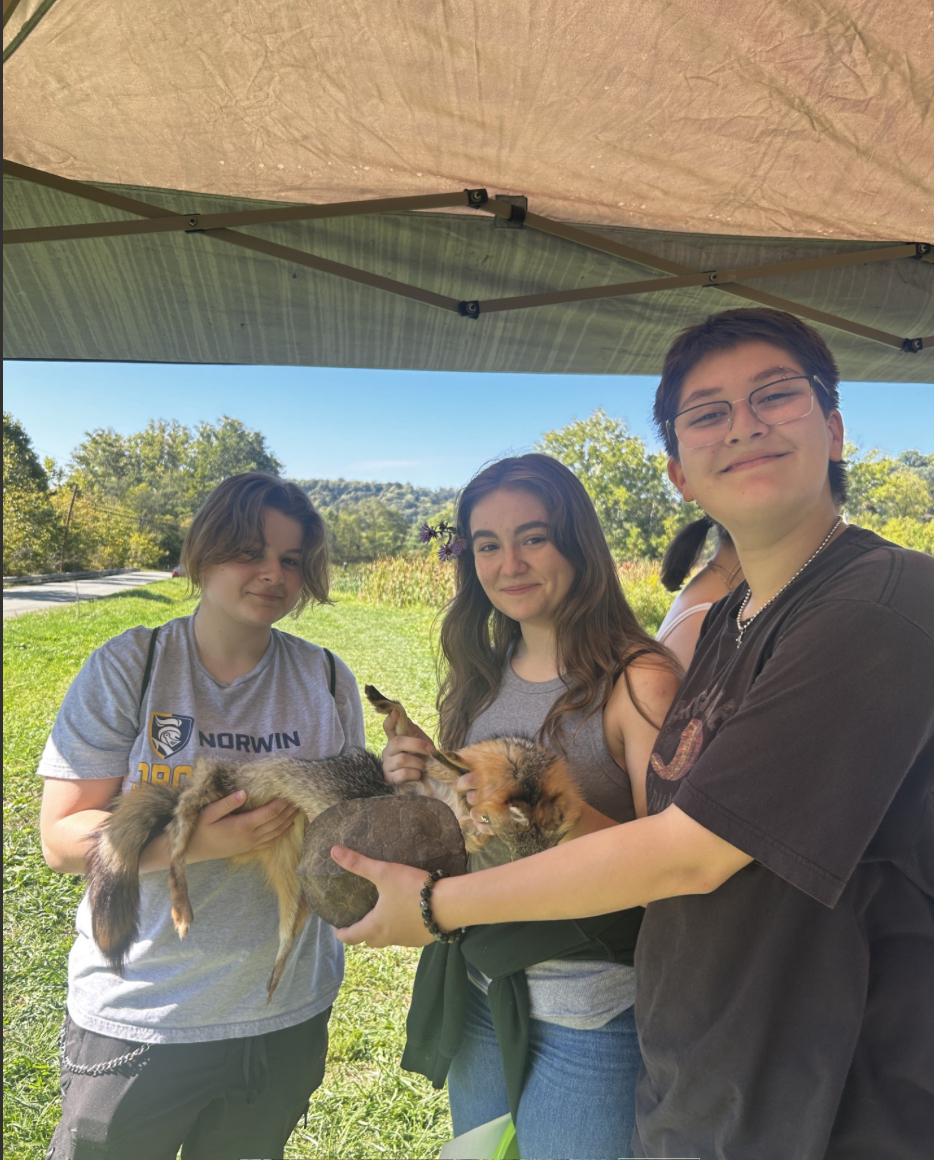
pixel 524 795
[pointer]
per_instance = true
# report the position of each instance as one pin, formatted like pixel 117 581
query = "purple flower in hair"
pixel 452 544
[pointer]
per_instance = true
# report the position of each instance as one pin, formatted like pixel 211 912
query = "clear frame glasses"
pixel 781 401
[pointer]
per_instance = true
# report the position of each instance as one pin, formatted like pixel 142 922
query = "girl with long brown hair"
pixel 539 640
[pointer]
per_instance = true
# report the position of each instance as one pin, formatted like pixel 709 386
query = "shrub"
pixel 648 598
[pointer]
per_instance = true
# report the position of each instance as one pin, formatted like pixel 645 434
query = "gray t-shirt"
pixel 581 995
pixel 212 984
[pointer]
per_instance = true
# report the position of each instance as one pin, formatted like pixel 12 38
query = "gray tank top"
pixel 583 995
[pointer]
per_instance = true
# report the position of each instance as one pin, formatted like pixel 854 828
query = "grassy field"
pixel 366 1107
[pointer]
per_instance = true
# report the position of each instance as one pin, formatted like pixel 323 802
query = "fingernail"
pixel 240 795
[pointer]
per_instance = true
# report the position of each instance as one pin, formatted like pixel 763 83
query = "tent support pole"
pixel 260 245
pixel 204 222
pixel 9 7
pixel 631 254
pixel 717 278
pixel 217 225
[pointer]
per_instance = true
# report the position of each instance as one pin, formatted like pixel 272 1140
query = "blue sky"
pixel 427 428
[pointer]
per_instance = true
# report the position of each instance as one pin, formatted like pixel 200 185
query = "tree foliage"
pixel 136 493
pixel 892 496
pixel 416 504
pixel 222 449
pixel 365 531
pixel 639 509
pixel 29 523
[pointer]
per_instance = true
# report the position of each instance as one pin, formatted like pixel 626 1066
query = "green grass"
pixel 367 1106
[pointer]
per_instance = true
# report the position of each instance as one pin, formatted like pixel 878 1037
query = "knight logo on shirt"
pixel 169 732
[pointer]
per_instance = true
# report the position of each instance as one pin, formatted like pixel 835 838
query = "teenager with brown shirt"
pixel 784 967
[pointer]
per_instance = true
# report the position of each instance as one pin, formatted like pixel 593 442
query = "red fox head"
pixel 524 794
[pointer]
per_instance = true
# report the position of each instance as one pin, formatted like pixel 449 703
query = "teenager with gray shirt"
pixel 183 1049
pixel 539 640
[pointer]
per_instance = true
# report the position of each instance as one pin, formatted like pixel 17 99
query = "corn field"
pixel 410 581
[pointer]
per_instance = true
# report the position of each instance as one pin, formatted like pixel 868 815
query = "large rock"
pixel 418 831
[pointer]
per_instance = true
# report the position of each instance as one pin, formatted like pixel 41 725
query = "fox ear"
pixel 452 760
pixel 520 815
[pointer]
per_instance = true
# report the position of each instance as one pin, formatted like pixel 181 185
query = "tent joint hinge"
pixel 713 277
pixel 518 208
pixel 922 249
pixel 912 345
pixel 469 309
pixel 476 198
pixel 193 223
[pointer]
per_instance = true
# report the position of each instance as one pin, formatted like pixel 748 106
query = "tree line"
pixel 122 500
pixel 127 500
pixel 416 504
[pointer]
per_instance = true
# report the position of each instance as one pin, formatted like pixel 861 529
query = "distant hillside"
pixel 417 504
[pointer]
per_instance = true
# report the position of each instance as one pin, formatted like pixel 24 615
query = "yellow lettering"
pixel 161 775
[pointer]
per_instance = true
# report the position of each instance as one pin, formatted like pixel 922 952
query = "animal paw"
pixel 182 916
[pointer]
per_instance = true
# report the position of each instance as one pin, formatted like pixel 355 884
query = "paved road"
pixel 41 597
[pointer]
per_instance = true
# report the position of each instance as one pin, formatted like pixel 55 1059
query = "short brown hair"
pixel 231 518
pixel 731 328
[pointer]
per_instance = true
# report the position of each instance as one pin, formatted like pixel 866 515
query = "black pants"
pixel 225 1100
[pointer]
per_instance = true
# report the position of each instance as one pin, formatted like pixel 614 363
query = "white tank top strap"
pixel 667 629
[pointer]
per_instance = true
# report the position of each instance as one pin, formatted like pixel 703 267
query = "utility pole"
pixel 71 506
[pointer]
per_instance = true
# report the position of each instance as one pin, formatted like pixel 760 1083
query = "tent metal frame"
pixel 223 226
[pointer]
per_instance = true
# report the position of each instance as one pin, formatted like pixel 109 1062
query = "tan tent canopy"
pixel 464 184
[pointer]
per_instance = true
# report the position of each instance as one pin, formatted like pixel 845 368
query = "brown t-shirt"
pixel 789 1014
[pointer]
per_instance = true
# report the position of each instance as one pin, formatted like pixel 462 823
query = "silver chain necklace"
pixel 742 625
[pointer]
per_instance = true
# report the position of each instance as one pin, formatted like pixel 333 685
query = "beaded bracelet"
pixel 433 929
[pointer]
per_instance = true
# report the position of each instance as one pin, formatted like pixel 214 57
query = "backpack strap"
pixel 332 683
pixel 147 672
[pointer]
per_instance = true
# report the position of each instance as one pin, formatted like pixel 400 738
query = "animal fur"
pixel 525 796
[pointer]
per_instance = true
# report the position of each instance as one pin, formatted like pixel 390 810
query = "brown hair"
pixel 731 328
pixel 231 519
pixel 595 629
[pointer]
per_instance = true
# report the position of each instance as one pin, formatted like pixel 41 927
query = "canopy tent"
pixel 464 185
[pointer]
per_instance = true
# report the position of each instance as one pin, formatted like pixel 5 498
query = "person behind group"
pixel 784 965
pixel 718 577
pixel 539 641
pixel 183 1050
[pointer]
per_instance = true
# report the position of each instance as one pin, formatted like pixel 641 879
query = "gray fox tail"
pixel 113 868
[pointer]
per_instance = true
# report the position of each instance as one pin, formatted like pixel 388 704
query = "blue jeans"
pixel 579 1095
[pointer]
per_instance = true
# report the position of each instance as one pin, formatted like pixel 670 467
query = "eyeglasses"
pixel 774 403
